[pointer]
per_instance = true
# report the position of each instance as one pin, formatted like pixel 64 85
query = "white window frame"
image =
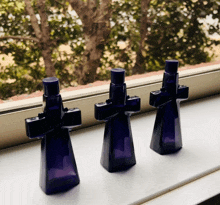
pixel 202 81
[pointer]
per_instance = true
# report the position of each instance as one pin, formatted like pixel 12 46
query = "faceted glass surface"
pixel 167 134
pixel 58 167
pixel 118 150
pixel 166 137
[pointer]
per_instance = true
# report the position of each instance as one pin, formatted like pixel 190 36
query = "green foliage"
pixel 28 70
pixel 175 30
pixel 180 33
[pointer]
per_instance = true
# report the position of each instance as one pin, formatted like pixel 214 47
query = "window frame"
pixel 202 81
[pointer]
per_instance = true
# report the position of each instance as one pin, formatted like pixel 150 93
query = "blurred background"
pixel 79 41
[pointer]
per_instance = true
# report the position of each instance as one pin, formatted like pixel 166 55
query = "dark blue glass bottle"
pixel 58 167
pixel 167 137
pixel 118 150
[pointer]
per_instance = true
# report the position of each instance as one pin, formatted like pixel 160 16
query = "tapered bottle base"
pixel 58 166
pixel 118 166
pixel 164 151
pixel 118 149
pixel 167 138
pixel 60 185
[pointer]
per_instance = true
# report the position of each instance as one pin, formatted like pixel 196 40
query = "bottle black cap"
pixel 171 66
pixel 117 76
pixel 51 86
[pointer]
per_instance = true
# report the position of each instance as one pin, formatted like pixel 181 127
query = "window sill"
pixel 202 82
pixel 194 192
pixel 152 176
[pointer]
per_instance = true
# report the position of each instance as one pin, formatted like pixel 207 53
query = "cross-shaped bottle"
pixel 118 150
pixel 167 132
pixel 58 167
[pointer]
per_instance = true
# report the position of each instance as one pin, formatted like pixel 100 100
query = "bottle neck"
pixel 118 93
pixel 53 107
pixel 170 82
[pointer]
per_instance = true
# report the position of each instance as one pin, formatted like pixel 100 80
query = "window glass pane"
pixel 80 41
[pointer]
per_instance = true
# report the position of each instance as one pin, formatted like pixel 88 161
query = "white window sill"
pixel 202 82
pixel 152 176
pixel 193 193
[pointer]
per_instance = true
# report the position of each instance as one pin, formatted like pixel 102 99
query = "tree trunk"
pixel 45 41
pixel 140 64
pixel 49 67
pixel 95 39
pixel 42 34
pixel 96 27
